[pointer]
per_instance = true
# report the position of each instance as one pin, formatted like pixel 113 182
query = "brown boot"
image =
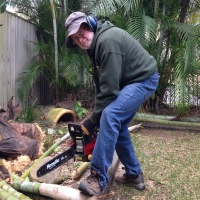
pixel 137 182
pixel 91 185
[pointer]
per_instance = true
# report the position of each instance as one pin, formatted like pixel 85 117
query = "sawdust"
pixel 17 165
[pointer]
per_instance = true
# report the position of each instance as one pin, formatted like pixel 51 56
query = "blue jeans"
pixel 113 132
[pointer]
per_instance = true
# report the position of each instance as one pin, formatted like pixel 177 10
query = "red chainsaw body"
pixel 83 144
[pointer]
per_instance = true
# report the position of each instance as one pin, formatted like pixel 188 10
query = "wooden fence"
pixel 15 51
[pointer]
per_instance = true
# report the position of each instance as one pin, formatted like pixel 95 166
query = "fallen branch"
pixel 50 150
pixel 80 170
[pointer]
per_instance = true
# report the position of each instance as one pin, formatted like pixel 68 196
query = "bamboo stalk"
pixel 5 187
pixel 160 121
pixel 80 170
pixel 6 196
pixel 134 127
pixel 54 191
pixel 7 192
pixel 147 115
pixel 26 173
pixel 26 186
pixel 55 44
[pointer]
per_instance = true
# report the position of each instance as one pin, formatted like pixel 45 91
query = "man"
pixel 125 75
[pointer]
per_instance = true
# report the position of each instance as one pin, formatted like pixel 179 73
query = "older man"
pixel 125 75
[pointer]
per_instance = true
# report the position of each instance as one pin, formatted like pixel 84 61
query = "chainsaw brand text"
pixel 49 166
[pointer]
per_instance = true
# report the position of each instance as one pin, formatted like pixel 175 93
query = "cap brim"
pixel 69 42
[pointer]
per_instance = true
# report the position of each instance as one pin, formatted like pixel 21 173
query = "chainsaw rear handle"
pixel 75 130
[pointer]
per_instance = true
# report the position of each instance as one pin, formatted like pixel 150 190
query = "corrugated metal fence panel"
pixel 15 52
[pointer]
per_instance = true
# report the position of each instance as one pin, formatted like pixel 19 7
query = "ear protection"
pixel 92 22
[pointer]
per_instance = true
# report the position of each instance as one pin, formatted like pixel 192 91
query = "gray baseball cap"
pixel 72 25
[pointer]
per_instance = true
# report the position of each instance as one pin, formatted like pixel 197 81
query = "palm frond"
pixel 108 7
pixel 76 70
pixel 27 77
pixel 143 28
pixel 187 32
pixel 188 51
pixel 130 5
pixel 104 7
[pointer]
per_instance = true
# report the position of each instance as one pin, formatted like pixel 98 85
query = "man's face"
pixel 83 37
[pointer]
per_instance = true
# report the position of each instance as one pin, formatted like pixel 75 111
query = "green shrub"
pixel 79 110
pixel 29 113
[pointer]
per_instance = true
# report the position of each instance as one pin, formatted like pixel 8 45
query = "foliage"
pixel 162 28
pixel 79 110
pixel 2 7
pixel 29 113
pixel 62 131
pixel 181 110
pixel 48 142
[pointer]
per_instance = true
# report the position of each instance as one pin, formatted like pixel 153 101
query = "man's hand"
pixel 88 127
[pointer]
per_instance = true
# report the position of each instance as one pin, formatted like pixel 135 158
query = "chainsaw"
pixel 80 149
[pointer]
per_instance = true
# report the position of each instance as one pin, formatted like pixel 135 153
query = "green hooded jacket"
pixel 117 60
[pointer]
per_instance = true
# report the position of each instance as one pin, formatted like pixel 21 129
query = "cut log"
pixel 80 170
pixel 13 144
pixel 32 131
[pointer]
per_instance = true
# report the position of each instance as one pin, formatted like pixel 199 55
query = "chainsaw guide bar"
pixel 81 150
pixel 55 162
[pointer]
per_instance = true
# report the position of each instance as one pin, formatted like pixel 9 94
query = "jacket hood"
pixel 102 26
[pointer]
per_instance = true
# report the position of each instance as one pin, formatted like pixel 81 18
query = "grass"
pixel 171 164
